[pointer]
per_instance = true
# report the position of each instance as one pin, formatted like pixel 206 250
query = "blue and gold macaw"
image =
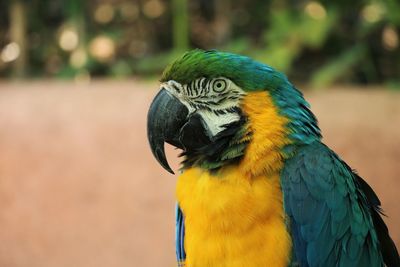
pixel 258 187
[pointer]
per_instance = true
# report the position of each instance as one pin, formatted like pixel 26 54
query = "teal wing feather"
pixel 333 215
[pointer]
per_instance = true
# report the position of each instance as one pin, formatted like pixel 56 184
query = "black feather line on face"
pixel 210 155
pixel 203 83
pixel 176 88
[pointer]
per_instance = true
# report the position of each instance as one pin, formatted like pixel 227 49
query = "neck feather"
pixel 264 153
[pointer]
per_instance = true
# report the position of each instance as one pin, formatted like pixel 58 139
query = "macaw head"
pixel 222 109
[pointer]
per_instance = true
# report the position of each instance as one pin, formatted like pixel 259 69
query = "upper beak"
pixel 166 117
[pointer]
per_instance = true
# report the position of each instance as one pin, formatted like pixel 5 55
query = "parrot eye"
pixel 219 85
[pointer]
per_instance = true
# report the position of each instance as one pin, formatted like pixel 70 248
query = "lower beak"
pixel 166 117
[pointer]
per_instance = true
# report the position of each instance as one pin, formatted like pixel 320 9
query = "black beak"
pixel 165 119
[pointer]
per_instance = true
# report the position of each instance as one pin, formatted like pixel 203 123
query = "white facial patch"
pixel 215 122
pixel 215 100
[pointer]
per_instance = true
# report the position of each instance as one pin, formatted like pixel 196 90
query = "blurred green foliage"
pixel 321 42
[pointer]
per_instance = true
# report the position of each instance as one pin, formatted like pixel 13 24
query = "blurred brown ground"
pixel 79 187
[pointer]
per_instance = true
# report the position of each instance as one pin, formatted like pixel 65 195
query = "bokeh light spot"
pixel 129 11
pixel 104 13
pixel 315 10
pixel 68 40
pixel 102 48
pixel 78 58
pixel 153 8
pixel 10 52
pixel 373 12
pixel 390 38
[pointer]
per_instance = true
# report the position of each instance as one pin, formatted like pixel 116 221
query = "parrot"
pixel 257 186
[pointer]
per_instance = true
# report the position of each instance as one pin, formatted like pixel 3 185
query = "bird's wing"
pixel 180 236
pixel 333 214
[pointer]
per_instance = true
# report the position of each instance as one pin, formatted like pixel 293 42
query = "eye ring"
pixel 219 85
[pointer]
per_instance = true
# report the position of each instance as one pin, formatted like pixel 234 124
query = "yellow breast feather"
pixel 234 217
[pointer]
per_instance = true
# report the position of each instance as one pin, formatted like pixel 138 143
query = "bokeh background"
pixel 78 184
